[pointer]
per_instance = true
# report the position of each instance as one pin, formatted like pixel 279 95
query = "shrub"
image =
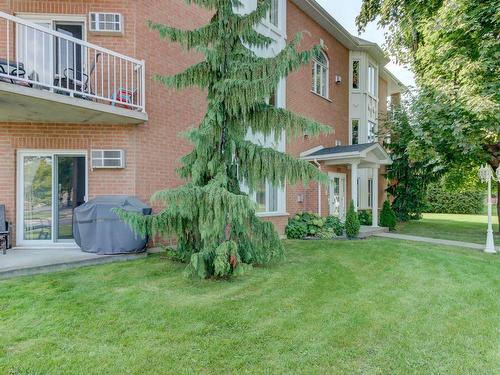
pixel 352 225
pixel 309 224
pixel 327 233
pixel 387 216
pixel 334 223
pixel 296 230
pixel 365 217
pixel 441 200
pixel 304 224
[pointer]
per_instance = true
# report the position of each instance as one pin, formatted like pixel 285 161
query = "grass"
pixel 375 306
pixel 467 228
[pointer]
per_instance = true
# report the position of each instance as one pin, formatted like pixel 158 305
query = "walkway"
pixel 19 262
pixel 435 241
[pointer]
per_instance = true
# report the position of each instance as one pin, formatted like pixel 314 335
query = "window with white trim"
pixel 355 74
pixel 372 80
pixel 106 22
pixel 372 131
pixel 370 192
pixel 320 66
pixel 354 131
pixel 274 13
pixel 268 197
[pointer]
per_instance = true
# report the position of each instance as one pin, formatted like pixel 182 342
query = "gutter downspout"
pixel 319 187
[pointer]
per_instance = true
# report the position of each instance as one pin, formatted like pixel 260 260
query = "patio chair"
pixel 5 242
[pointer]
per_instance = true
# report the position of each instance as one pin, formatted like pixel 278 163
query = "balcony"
pixel 52 76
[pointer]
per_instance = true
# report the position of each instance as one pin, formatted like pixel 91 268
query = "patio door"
pixel 50 186
pixel 337 195
pixel 47 59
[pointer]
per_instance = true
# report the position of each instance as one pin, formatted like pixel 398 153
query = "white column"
pixel 354 185
pixel 375 197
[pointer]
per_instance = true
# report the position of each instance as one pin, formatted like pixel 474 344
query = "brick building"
pixel 80 114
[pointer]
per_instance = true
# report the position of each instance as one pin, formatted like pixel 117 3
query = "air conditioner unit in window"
pixel 106 22
pixel 107 159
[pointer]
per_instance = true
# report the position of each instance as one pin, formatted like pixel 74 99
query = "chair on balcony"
pixel 76 80
pixel 14 71
pixel 5 242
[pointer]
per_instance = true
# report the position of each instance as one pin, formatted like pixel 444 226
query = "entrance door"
pixel 50 186
pixel 336 196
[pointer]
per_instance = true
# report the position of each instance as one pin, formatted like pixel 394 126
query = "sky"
pixel 345 12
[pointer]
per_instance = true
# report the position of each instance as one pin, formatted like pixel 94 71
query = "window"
pixel 320 75
pixel 274 13
pixel 355 74
pixel 370 192
pixel 372 80
pixel 108 159
pixel 338 142
pixel 372 131
pixel 106 22
pixel 267 198
pixel 354 131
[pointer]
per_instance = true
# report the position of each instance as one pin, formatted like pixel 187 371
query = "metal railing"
pixel 35 56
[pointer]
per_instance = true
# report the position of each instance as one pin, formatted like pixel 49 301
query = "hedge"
pixel 440 200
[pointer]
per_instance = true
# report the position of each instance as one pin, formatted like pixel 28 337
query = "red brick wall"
pixel 152 150
pixel 300 99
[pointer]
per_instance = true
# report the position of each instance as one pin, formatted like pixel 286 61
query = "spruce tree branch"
pixel 187 38
pixel 257 164
pixel 199 75
pixel 271 121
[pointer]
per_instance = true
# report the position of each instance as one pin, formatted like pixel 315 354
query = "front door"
pixel 50 186
pixel 336 195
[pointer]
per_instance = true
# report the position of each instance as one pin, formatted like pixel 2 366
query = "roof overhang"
pixel 370 157
pixel 394 85
pixel 332 26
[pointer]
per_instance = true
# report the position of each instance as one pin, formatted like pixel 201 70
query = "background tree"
pixel 214 221
pixel 411 170
pixel 452 47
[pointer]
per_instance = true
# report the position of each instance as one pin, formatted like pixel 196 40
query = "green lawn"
pixel 375 306
pixel 468 228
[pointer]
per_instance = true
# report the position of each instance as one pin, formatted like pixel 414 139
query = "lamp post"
pixel 486 175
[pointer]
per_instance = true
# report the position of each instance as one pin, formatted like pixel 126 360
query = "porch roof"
pixel 365 155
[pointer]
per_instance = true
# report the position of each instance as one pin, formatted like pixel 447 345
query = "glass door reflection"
pixel 70 192
pixel 37 194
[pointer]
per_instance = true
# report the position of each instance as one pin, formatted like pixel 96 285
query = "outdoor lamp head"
pixel 485 173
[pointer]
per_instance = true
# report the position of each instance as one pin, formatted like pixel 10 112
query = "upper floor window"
pixel 355 74
pixel 274 13
pixel 320 74
pixel 372 132
pixel 354 131
pixel 372 80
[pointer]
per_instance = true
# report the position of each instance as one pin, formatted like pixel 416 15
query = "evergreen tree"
pixel 387 216
pixel 352 224
pixel 214 222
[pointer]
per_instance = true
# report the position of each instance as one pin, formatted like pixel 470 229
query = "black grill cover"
pixel 97 229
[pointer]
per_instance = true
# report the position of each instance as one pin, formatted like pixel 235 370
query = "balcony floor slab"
pixel 26 104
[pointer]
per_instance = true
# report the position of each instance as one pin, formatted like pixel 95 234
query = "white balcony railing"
pixel 35 56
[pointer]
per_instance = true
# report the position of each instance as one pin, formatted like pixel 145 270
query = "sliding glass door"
pixel 50 186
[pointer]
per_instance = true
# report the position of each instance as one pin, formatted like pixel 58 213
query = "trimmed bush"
pixel 441 200
pixel 365 217
pixel 307 224
pixel 352 224
pixel 388 217
pixel 304 224
pixel 334 223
